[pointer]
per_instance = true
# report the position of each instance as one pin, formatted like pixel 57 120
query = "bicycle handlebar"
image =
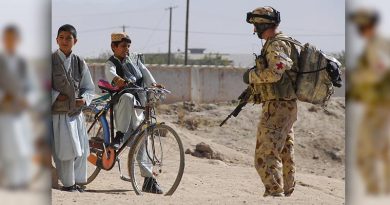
pixel 133 87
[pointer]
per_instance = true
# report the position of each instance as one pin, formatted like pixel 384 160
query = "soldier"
pixel 272 79
pixel 368 85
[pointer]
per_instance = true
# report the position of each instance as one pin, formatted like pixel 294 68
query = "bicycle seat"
pixel 106 86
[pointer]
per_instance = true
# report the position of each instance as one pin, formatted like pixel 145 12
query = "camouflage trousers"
pixel 373 148
pixel 274 160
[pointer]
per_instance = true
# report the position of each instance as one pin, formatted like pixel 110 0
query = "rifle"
pixel 244 97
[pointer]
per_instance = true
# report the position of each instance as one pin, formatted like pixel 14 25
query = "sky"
pixel 217 25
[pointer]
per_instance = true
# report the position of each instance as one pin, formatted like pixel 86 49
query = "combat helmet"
pixel 263 15
pixel 263 18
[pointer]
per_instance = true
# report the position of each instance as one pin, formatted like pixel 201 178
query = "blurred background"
pixel 368 105
pixel 24 108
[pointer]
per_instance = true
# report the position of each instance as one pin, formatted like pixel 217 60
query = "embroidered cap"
pixel 120 36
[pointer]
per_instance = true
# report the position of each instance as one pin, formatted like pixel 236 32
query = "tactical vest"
pixel 280 90
pixel 67 83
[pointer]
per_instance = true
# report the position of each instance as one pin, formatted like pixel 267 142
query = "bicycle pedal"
pixel 124 178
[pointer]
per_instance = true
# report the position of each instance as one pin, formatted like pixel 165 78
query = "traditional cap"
pixel 120 36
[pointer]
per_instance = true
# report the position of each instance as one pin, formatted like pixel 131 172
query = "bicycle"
pixel 148 143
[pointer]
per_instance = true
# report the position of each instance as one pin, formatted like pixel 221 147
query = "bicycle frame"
pixel 109 129
pixel 101 116
pixel 146 123
pixel 146 135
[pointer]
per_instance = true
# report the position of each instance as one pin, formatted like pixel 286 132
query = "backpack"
pixel 317 73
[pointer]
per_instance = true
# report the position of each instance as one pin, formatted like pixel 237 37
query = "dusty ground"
pixel 319 151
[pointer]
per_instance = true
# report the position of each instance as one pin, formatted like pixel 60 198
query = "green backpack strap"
pixel 286 39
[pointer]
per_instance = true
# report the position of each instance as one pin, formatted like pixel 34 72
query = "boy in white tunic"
pixel 72 87
pixel 119 69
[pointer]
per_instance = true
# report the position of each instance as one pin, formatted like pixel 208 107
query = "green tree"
pixel 101 58
pixel 340 57
pixel 162 58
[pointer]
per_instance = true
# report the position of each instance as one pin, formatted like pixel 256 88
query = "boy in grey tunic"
pixel 72 87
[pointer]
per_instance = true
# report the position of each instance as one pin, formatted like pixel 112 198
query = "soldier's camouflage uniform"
pixel 273 81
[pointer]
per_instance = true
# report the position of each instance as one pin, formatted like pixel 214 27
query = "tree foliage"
pixel 340 57
pixel 162 58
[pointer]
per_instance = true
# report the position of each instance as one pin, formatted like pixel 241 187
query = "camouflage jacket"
pixel 273 79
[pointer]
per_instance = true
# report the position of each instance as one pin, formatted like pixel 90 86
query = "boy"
pixel 72 87
pixel 120 69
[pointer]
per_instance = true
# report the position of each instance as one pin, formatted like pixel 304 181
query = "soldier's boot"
pixel 266 193
pixel 270 175
pixel 268 162
pixel 288 192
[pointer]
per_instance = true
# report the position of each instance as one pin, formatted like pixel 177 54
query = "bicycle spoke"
pixel 95 138
pixel 159 154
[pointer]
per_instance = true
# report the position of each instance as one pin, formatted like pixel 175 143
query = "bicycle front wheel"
pixel 157 152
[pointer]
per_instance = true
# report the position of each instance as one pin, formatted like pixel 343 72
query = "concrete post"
pixel 195 85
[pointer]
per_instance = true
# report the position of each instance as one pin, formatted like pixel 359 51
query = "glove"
pixel 260 62
pixel 245 77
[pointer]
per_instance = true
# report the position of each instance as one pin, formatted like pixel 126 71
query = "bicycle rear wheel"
pixel 157 152
pixel 96 142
